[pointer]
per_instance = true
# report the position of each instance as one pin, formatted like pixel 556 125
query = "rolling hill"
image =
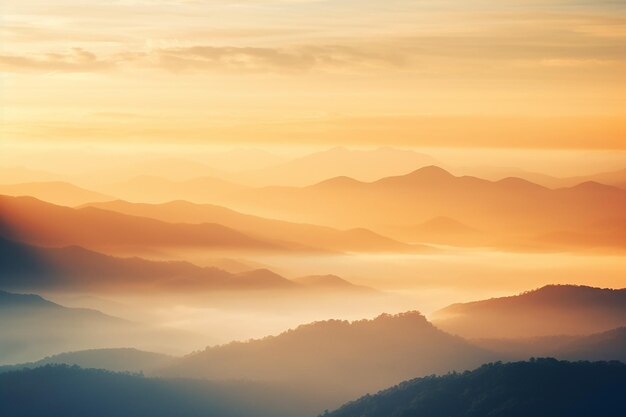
pixel 337 357
pixel 547 311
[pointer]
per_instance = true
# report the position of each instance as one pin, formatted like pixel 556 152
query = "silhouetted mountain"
pixel 548 311
pixel 367 165
pixel 33 221
pixel 117 360
pixel 338 357
pixel 74 267
pixel 355 240
pixel 508 210
pixel 55 192
pixel 614 178
pixel 33 327
pixel 539 388
pixel 74 392
pixel 9 301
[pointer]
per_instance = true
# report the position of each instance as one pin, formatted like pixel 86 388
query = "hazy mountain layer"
pixel 548 311
pixel 308 235
pixel 339 357
pixel 117 360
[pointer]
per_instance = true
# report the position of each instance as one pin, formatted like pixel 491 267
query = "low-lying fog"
pixel 405 282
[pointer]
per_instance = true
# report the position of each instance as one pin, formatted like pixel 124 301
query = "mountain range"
pixel 615 178
pixel 120 226
pixel 307 235
pixel 428 205
pixel 337 360
pixel 510 213
pixel 37 222
pixel 28 267
pixel 366 165
pixel 509 210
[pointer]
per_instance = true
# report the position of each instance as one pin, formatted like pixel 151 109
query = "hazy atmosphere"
pixel 274 207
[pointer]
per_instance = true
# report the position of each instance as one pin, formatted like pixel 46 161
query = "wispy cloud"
pixel 77 60
pixel 409 53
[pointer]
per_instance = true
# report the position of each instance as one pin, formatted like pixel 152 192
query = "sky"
pixel 538 74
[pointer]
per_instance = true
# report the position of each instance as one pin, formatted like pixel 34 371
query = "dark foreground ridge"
pixel 541 387
pixel 70 391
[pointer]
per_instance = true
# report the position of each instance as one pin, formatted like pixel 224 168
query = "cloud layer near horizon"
pixel 263 71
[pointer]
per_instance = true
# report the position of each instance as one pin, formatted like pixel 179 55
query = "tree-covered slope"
pixel 542 387
pixel 66 391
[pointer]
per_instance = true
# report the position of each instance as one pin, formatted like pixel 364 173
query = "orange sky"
pixel 534 74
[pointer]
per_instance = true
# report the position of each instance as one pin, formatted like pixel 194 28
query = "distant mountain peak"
pixel 341 181
pixel 432 170
pixel 519 182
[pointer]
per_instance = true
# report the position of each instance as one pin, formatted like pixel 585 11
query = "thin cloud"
pixel 302 58
pixel 77 60
pixel 535 45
